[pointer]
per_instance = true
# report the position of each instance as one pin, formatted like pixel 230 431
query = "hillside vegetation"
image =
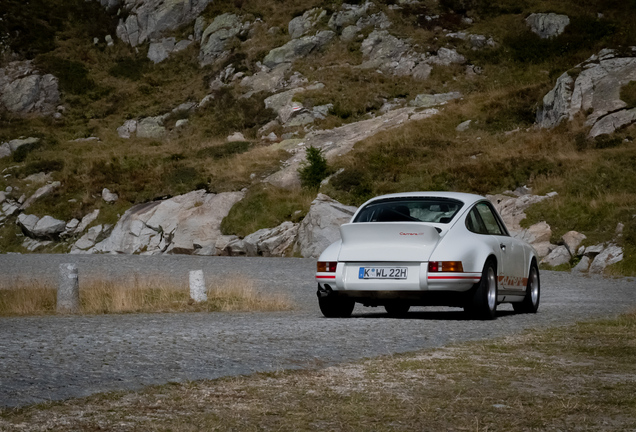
pixel 103 86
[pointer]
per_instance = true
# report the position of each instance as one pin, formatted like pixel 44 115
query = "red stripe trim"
pixel 453 277
pixel 325 277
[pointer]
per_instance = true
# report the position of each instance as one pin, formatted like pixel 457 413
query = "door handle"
pixel 502 246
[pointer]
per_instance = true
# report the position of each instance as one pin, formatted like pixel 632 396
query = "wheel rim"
pixel 534 287
pixel 492 289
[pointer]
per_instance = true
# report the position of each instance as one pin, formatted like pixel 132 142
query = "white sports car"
pixel 427 249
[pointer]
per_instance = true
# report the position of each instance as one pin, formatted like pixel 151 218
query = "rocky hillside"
pixel 254 127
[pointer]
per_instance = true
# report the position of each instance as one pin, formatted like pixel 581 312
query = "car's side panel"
pixel 460 244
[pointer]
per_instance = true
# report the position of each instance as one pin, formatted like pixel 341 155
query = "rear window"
pixel 424 209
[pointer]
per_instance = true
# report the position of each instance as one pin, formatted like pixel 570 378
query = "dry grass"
pixel 139 295
pixel 579 377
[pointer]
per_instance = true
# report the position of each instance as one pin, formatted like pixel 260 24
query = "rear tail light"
pixel 327 266
pixel 445 266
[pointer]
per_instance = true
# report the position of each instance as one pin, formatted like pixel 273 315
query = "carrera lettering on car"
pixel 411 234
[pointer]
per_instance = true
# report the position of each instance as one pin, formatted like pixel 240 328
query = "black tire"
pixel 333 307
pixel 530 303
pixel 397 309
pixel 484 305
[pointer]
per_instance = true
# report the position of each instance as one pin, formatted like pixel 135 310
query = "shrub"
pixel 72 75
pixel 314 169
pixel 353 181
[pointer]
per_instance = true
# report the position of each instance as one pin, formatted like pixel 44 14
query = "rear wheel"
pixel 530 303
pixel 334 307
pixel 397 310
pixel 484 305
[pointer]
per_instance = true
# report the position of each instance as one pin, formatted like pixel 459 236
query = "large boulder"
pixel 43 191
pixel 297 48
pixel 383 51
pixel 272 242
pixel 47 227
pixel 348 14
pixel 592 89
pixel 24 90
pixel 267 80
pixel 558 256
pixel 148 19
pixel 512 209
pixel 611 255
pixel 446 57
pixel 572 240
pixel 547 25
pixel 302 25
pixel 87 241
pixel 151 127
pixel 161 50
pixel 185 224
pixel 321 226
pixel 218 35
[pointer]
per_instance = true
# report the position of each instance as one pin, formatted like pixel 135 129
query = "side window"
pixel 489 219
pixel 474 222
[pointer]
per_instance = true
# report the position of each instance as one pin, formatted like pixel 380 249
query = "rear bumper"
pixel 347 279
pixel 412 298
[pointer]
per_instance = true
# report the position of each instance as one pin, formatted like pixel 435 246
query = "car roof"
pixel 466 198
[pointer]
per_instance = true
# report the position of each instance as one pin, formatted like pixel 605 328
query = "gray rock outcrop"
pixel 151 127
pixel 338 141
pixel 271 242
pixel 147 19
pixel 558 256
pixel 348 14
pixel 24 90
pixel 43 191
pixel 47 227
pixel 161 50
pixel 298 48
pixel 594 92
pixel 321 226
pixel 572 240
pixel 512 210
pixel 127 129
pixel 86 221
pixel 303 24
pixel 87 242
pixel 611 255
pixel 547 25
pixel 109 196
pixel 217 35
pixel 446 57
pixel 185 224
pixel 267 80
pixel 430 100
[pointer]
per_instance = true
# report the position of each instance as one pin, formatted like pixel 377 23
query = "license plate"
pixel 382 273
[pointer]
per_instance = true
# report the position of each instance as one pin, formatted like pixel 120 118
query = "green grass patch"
pixel 266 207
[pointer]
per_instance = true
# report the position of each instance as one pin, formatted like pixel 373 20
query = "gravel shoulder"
pixel 57 357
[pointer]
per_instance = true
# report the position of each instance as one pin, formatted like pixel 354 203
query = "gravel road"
pixel 52 358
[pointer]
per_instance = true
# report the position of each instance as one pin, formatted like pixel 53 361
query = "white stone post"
pixel 197 286
pixel 68 289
